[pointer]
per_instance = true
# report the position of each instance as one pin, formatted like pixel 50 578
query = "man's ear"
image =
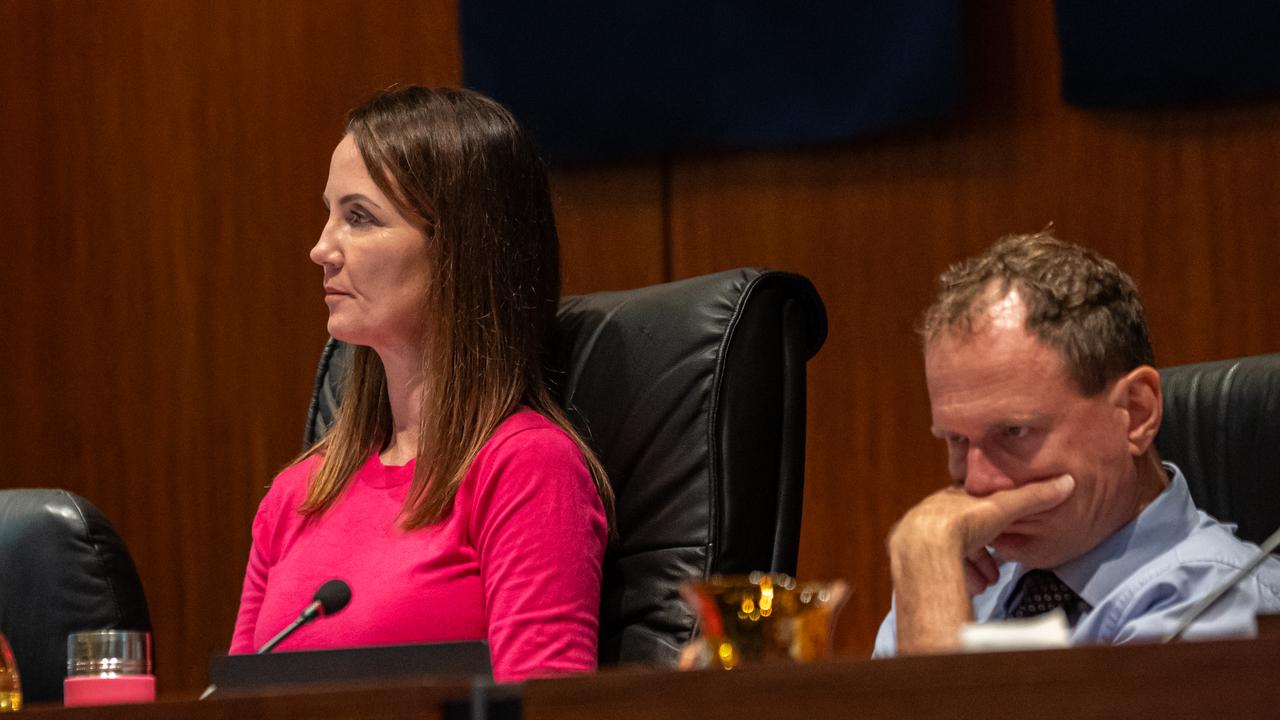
pixel 1138 394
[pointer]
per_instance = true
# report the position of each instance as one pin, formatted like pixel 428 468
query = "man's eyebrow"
pixel 1027 419
pixel 1012 420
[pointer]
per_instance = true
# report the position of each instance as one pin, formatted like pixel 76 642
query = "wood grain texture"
pixel 161 193
pixel 611 224
pixel 1185 200
pixel 1136 681
pixel 421 699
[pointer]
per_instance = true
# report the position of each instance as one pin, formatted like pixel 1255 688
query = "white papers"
pixel 1049 630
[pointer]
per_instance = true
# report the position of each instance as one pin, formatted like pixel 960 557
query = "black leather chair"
pixel 63 569
pixel 693 394
pixel 1222 427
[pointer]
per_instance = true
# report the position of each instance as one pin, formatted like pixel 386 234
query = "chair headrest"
pixel 76 574
pixel 1222 427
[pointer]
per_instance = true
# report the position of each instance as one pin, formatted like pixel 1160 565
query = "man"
pixel 1041 383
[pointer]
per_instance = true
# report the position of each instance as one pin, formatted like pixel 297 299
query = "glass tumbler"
pixel 108 667
pixel 10 686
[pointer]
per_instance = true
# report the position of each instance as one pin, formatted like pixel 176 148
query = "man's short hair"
pixel 1078 302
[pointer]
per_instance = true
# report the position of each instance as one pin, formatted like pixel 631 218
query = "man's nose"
pixel 982 476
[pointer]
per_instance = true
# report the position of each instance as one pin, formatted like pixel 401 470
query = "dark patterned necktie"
pixel 1042 591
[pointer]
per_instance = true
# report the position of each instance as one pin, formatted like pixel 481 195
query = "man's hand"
pixel 938 556
pixel 955 519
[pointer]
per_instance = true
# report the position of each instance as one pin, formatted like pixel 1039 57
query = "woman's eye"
pixel 357 217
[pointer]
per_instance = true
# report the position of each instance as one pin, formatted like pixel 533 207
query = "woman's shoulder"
pixel 529 431
pixel 531 471
pixel 289 486
pixel 298 474
pixel 526 443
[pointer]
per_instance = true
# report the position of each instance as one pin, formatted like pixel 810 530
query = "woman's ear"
pixel 1138 394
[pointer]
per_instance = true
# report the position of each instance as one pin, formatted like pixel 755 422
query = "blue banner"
pixel 606 81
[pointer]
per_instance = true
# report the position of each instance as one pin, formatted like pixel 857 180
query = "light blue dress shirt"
pixel 1140 581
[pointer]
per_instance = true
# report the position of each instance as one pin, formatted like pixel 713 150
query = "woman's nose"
pixel 325 251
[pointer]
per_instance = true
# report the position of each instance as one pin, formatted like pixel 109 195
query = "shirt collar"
pixel 1169 518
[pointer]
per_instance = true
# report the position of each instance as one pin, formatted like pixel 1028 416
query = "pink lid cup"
pixel 108 667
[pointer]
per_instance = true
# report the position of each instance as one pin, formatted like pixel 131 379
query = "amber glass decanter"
pixel 10 686
pixel 761 617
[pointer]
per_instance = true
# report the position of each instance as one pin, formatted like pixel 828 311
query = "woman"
pixel 451 493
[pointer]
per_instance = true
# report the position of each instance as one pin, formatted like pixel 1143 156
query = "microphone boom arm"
pixel 311 613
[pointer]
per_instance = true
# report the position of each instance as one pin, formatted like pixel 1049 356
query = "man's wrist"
pixel 928 579
pixel 912 546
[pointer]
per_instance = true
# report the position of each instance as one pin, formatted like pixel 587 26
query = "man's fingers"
pixel 954 520
pixel 986 565
pixel 995 512
pixel 980 571
pixel 973 580
pixel 1033 497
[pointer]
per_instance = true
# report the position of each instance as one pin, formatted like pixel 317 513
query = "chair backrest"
pixel 1222 427
pixel 693 395
pixel 63 569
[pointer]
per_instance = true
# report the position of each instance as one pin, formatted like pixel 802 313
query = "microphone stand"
pixel 307 616
pixel 1268 546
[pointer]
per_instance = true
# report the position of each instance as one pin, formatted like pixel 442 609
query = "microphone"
pixel 329 599
pixel 1268 546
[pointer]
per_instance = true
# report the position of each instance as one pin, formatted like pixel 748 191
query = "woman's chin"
pixel 339 330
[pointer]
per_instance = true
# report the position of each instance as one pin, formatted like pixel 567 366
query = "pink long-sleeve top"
pixel 517 561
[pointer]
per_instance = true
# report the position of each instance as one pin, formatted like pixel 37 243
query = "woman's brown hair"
pixel 457 163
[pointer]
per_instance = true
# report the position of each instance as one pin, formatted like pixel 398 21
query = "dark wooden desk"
pixel 402 700
pixel 1269 627
pixel 1220 681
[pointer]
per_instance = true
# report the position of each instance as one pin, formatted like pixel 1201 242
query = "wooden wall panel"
pixel 1186 200
pixel 161 191
pixel 611 224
